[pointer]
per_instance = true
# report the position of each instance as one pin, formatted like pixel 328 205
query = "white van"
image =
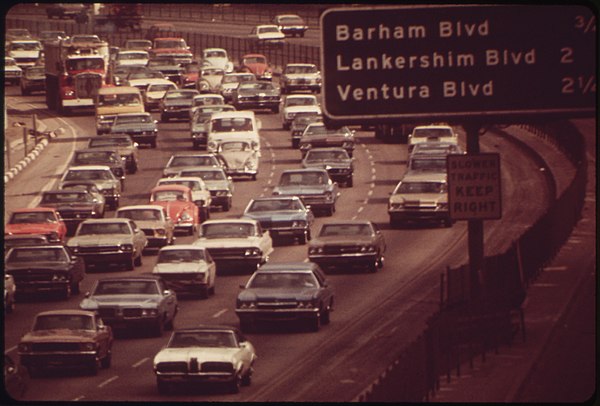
pixel 237 124
pixel 114 100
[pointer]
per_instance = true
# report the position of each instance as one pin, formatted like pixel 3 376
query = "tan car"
pixel 153 220
pixel 66 338
pixel 114 100
pixel 420 196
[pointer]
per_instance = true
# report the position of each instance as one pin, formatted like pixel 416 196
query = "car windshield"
pixel 65 197
pixel 85 63
pixel 168 196
pixel 421 187
pixel 161 87
pixel 37 255
pixel 145 75
pixel 432 132
pixel 193 185
pixel 237 78
pixel 140 214
pixel 182 255
pixel 231 124
pixel 205 175
pixel 254 60
pixel 274 205
pixel 268 29
pixel 103 228
pixel 204 100
pixel 132 55
pixel 177 43
pixel 318 156
pixel 302 178
pixel 110 142
pixel 184 339
pixel 125 99
pixel 82 158
pixel 126 287
pixel 63 321
pixel 300 101
pixel 180 95
pixel 428 164
pixel 321 129
pixel 215 54
pixel 291 20
pixel 229 230
pixel 89 175
pixel 301 69
pixel 179 161
pixel 141 119
pixel 345 230
pixel 277 280
pixel 32 218
pixel 25 46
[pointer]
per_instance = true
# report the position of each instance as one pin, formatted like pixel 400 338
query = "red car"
pixel 177 199
pixel 171 46
pixel 257 64
pixel 39 220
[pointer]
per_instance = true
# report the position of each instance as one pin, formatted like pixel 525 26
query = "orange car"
pixel 39 220
pixel 177 199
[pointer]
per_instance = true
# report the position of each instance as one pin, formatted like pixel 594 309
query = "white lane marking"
pixel 78 398
pixel 11 349
pixel 370 193
pixel 555 268
pixel 109 380
pixel 219 313
pixel 140 362
pixel 360 209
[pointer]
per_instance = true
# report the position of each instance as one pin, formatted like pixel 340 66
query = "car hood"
pixel 228 242
pixel 202 354
pixel 150 224
pixel 301 76
pixel 303 190
pixel 257 68
pixel 278 294
pixel 30 228
pixel 178 102
pixel 136 127
pixel 182 267
pixel 104 239
pixel 58 335
pixel 303 109
pixel 279 215
pixel 342 240
pixel 422 199
pixel 24 54
pixel 48 266
pixel 175 208
pixel 328 164
pixel 130 300
pixel 216 184
pixel 237 158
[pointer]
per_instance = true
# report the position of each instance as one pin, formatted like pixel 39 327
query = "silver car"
pixel 102 176
pixel 313 186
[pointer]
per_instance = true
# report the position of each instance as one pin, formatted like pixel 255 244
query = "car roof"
pixel 233 114
pixel 66 311
pixel 88 168
pixel 287 266
pixel 179 247
pixel 414 176
pixel 34 209
pixel 141 207
pixel 229 221
pixel 169 187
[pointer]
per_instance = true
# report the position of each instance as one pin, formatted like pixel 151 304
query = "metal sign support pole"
pixel 475 226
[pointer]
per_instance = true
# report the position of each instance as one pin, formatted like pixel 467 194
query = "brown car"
pixel 348 244
pixel 67 338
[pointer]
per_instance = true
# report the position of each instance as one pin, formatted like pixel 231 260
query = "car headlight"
pixel 126 247
pixel 315 250
pixel 247 305
pixel 442 205
pixel 299 223
pixel 395 206
pixel 74 250
pixel 203 86
pixel 305 304
pixel 69 93
pixel 149 312
pixel 160 232
pixel 23 347
pixel 367 248
pixel 328 195
pixel 58 277
pixel 88 346
pixel 221 193
pixel 185 216
pixel 251 252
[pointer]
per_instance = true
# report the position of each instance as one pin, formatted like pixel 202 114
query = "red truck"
pixel 75 70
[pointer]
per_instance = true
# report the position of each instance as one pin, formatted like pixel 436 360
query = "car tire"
pixel 107 360
pixel 350 182
pixel 326 316
pixel 158 328
pixel 153 144
pixel 93 367
pixel 247 378
pixel 170 326
pixel 203 292
pixel 75 288
pixel 303 239
pixel 10 306
pixel 130 264
pixel 286 126
pixel 330 210
pixel 66 294
pixel 138 261
pixel 275 110
pixel 315 323
pixel 226 206
pixel 234 386
pixel 164 119
pixel 211 291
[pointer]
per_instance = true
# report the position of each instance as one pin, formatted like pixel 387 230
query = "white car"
pixel 431 133
pixel 231 80
pixel 300 76
pixel 132 57
pixel 187 268
pixel 25 52
pixel 209 79
pixel 206 99
pixel 240 157
pixel 224 348
pixel 294 104
pixel 232 124
pixel 153 220
pixel 236 243
pixel 12 71
pixel 218 58
pixel 155 91
pixel 267 35
pixel 200 192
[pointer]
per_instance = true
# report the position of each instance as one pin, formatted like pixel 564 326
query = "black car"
pixel 320 135
pixel 256 95
pixel 18 240
pixel 291 291
pixel 291 24
pixel 139 126
pixel 33 80
pixel 40 269
pixel 74 206
pixel 299 124
pixel 177 104
pixel 98 156
pixel 336 161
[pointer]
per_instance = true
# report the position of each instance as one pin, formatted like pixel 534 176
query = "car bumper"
pixel 156 242
pixel 184 113
pixel 249 105
pixel 352 260
pixel 105 258
pixel 217 377
pixel 143 138
pixel 127 322
pixel 417 215
pixel 57 359
pixel 40 286
pixel 253 315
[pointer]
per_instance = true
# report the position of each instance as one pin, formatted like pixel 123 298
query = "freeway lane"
pixel 376 314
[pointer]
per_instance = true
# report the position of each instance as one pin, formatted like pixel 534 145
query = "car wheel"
pixel 67 292
pixel 247 378
pixel 275 110
pixel 153 144
pixel 226 206
pixel 330 210
pixel 350 182
pixel 315 323
pixel 75 288
pixel 138 261
pixel 10 305
pixel 234 386
pixel 295 144
pixel 303 239
pixel 158 328
pixel 171 324
pixel 203 292
pixel 130 264
pixel 212 290
pixel 286 126
pixel 93 367
pixel 325 317
pixel 133 168
pixel 107 360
